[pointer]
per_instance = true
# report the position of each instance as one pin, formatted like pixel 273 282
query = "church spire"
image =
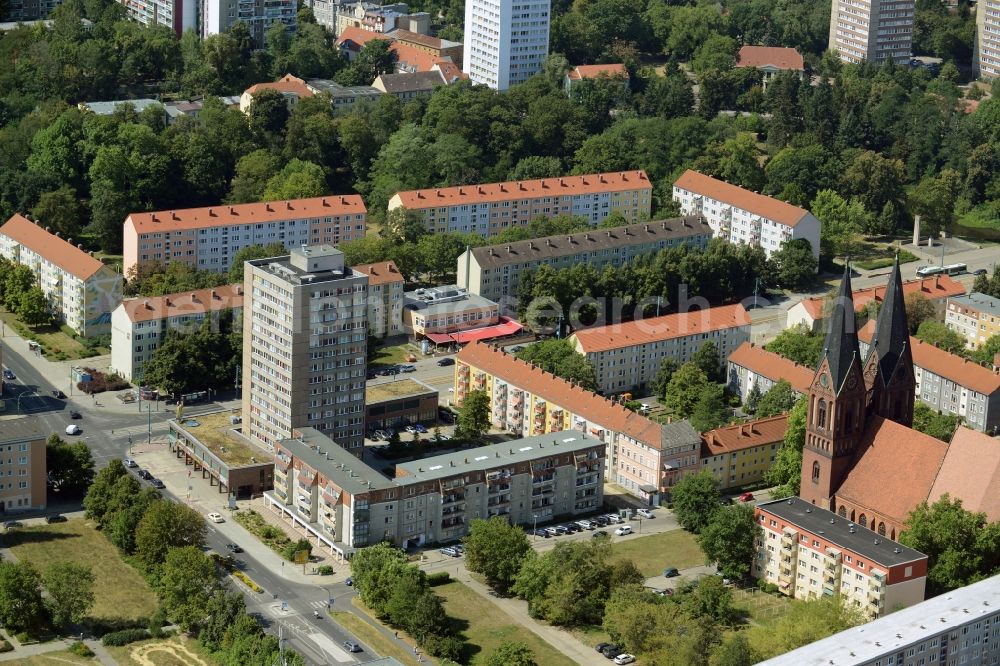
pixel 892 332
pixel 841 346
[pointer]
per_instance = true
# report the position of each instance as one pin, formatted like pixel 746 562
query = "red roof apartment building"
pixel 385 298
pixel 751 365
pixel 770 60
pixel 490 208
pixel 740 454
pixel 209 238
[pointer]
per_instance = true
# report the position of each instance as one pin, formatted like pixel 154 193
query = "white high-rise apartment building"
pixel 987 56
pixel 872 30
pixel 506 41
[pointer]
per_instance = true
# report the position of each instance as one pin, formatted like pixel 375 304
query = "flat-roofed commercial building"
pixel 975 317
pixel 401 402
pixel 493 271
pixel 629 354
pixel 346 505
pixel 489 208
pixel 209 238
pixel 447 309
pixel 739 455
pixel 810 552
pixel 23 485
pixel 304 347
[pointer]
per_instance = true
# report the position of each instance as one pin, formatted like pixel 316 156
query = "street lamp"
pixel 534 527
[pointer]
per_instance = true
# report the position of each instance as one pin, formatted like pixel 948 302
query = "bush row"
pixel 124 637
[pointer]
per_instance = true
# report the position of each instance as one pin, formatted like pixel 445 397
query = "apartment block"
pixel 22 464
pixel 435 46
pixel 209 238
pixel 81 290
pixel 294 89
pixel 218 16
pixel 628 355
pixel 19 11
pixel 493 271
pixel 960 627
pixel 644 457
pixel 740 455
pixel 345 504
pixel 139 325
pixel 409 59
pixel 950 384
pixel 178 15
pixel 751 365
pixel 986 59
pixel 741 216
pixel 373 17
pixel 304 347
pixel 809 552
pixel 385 298
pixel 506 41
pixel 489 209
pixel 975 317
pixel 873 31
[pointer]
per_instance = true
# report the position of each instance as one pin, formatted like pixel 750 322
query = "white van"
pixel 623 530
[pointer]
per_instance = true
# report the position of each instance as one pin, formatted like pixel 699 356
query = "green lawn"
pixel 174 651
pixel 56 344
pixel 652 554
pixel 401 649
pixel 485 627
pixel 120 592
pixel 872 256
pixel 392 355
pixel 761 608
pixel 59 658
pixel 980 218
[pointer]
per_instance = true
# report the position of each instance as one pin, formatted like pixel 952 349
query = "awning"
pixel 439 338
pixel 505 327
pixel 649 489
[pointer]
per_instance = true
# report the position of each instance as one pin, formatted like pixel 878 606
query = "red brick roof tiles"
pixel 54 249
pixel 383 272
pixel 773 366
pixel 286 84
pixel 971 473
pixel 728 439
pixel 252 213
pixel 653 329
pixel 759 204
pixel 581 72
pixel 762 56
pixel 184 303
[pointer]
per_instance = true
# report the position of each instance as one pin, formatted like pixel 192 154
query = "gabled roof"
pixel 892 333
pixel 773 366
pixel 971 473
pixel 151 308
pixel 450 71
pixel 287 84
pixel 841 346
pixel 776 56
pixel 408 58
pixel 424 40
pixel 894 469
pixel 653 329
pixel 581 72
pixel 931 288
pixel 620 181
pixel 740 436
pixel 944 364
pixel 587 404
pixel 758 204
pixel 383 272
pixel 411 82
pixel 252 213
pixel 56 250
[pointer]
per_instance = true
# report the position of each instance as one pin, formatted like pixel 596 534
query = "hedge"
pixel 6 647
pixel 124 637
pixel 439 578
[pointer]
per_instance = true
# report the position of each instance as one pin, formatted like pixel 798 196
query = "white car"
pixel 216 517
pixel 645 513
pixel 623 530
pixel 73 429
pixel 624 659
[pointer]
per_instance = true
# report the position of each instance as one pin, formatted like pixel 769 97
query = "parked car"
pixel 562 529
pixel 624 659
pixel 411 429
pixel 600 521
pixel 515 349
pixel 599 533
pixel 645 513
pixel 613 518
pixel 128 462
pixel 59 394
pixel 55 518
pixel 407 368
pixel 623 530
pixel 600 646
pixel 450 552
pixel 746 497
pixel 445 416
pixel 351 646
pixel 552 531
pixel 671 572
pixel 446 361
pixel 156 483
pixel 233 548
pixel 12 524
pixel 216 517
pixel 420 428
pixel 979 271
pixel 8 375
pixel 73 429
pixel 349 582
pixel 75 414
pixel 611 651
pixel 544 533
pixel 144 475
pixel 585 524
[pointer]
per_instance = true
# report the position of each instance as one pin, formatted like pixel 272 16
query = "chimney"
pixel 239 289
pixel 267 207
pixel 214 295
pixel 343 201
pixel 146 305
pixel 647 228
pixel 479 189
pixel 232 211
pixel 601 178
pixel 210 213
pixel 583 180
pixel 664 225
pixel 154 218
pixel 561 182
pixel 437 192
pixel 167 302
pixel 520 185
pixel 508 248
pixel 288 205
pixel 173 215
pixel 325 204
pixel 461 190
pixel 548 242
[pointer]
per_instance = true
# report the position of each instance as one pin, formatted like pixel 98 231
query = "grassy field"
pixel 760 608
pixel 485 628
pixel 372 637
pixel 652 554
pixel 120 593
pixel 170 652
pixel 57 345
pixel 391 355
pixel 60 658
pixel 591 635
pixel 871 256
pixel 980 218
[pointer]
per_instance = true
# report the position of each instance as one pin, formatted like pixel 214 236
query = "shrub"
pixel 269 532
pixel 156 622
pixel 439 578
pixel 80 649
pixel 325 570
pixel 124 637
pixel 294 547
pixel 248 581
pixel 445 647
pixel 6 647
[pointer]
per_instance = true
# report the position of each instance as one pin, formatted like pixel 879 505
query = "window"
pixel 815 476
pixel 863 521
pixel 821 415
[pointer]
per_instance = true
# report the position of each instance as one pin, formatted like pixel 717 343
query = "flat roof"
pixel 394 390
pixel 979 301
pixel 21 428
pixel 216 433
pixel 900 629
pixel 286 269
pixel 837 530
pixel 460 301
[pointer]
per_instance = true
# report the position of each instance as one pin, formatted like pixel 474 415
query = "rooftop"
pixel 185 303
pixel 621 181
pixel 59 251
pixel 383 272
pixel 981 302
pixel 252 213
pixel 287 85
pixel 654 329
pixel 21 428
pixel 449 298
pixel 932 288
pixel 758 204
pixel 890 634
pixel 552 247
pixel 394 390
pixel 217 433
pixel 971 472
pixel 581 72
pixel 311 264
pixel 776 56
pixel 108 108
pixel 838 531
pixel 423 40
pixel 773 366
pixel 408 58
pixel 411 82
pixel 336 90
pixel 728 439
pixel 334 462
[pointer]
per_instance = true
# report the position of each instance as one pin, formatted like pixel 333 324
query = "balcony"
pixel 499 501
pixel 452 522
pixel 502 488
pixel 587 480
pixel 451 499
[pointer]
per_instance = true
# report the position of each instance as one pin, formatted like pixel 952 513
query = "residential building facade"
pixel 385 298
pixel 409 59
pixel 346 505
pixel 29 10
pixel 218 16
pixel 435 46
pixel 975 317
pixel 493 271
pixel 986 60
pixel 409 86
pixel 178 15
pixel 373 17
pixel 751 365
pixel 22 464
pixel 294 89
pixel 490 208
pixel 139 325
pixel 395 404
pixel 740 454
pixel 81 290
pixel 950 384
pixel 644 457
pixel 628 355
pixel 873 31
pixel 209 238
pixel 809 552
pixel 770 60
pixel 304 347
pixel 506 41
pixel 741 216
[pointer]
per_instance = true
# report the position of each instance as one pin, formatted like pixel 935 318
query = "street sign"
pixel 301 556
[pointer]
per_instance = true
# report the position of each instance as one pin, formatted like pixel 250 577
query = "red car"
pixel 746 497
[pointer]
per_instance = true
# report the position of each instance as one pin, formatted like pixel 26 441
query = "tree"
pixel 21 605
pixel 250 253
pixel 268 114
pixel 98 497
pixel 685 389
pixel 735 650
pixel 937 334
pixel 375 58
pixel 71 592
pixel 804 622
pixel 710 410
pixel 785 472
pixel 60 209
pixel 658 385
pixel 796 265
pixel 798 345
pixel 936 424
pixel 933 199
pixel 374 570
pixel 70 466
pixel 474 416
pixel 18 279
pixel 918 310
pixel 496 549
pixel 561 359
pixel 779 399
pixel 753 399
pixel 33 308
pixel 839 224
pixel 728 540
pixel 707 358
pixel 253 172
pixel 223 610
pixel 167 525
pixel 695 498
pixel 511 653
pixel 297 180
pixel 186 585
pixel 987 352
